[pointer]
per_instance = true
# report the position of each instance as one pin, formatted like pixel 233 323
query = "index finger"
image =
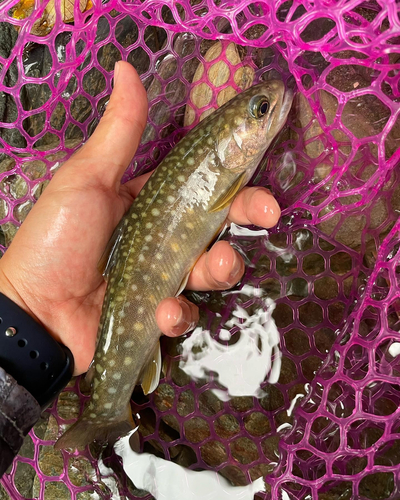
pixel 255 205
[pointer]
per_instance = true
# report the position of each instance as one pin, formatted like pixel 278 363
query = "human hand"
pixel 50 269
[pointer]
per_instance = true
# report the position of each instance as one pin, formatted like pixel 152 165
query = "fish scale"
pixel 176 215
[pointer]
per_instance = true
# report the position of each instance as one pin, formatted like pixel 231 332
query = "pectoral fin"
pixel 183 284
pixel 107 260
pixel 227 198
pixel 151 373
pixel 86 381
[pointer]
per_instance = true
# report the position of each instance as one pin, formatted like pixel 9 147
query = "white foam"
pixel 293 403
pixel 284 426
pixel 109 481
pixel 394 349
pixel 248 290
pixel 168 481
pixel 244 231
pixel 243 366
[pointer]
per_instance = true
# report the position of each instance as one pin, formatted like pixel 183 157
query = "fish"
pixel 178 213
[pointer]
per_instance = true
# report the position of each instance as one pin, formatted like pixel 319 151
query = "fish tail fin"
pixel 86 430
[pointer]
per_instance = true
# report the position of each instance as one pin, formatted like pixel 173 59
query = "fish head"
pixel 249 123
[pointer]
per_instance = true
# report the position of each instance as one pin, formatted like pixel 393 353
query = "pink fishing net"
pixel 330 428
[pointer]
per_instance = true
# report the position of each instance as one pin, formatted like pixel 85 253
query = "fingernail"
pixel 183 322
pixel 116 71
pixel 236 267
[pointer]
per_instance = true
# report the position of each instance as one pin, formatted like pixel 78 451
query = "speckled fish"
pixel 177 214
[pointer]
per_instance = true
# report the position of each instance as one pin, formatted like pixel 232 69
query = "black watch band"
pixel 31 356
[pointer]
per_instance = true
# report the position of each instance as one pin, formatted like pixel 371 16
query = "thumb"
pixel 110 149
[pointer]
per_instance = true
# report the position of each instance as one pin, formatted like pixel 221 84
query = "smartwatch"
pixel 31 356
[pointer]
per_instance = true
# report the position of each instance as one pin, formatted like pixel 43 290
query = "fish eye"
pixel 259 106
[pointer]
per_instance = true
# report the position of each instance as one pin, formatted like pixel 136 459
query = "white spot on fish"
pixel 99 368
pixel 170 199
pixel 138 327
pixel 111 363
pixel 190 161
pixel 134 288
pixel 127 361
pixel 141 258
pixel 183 236
pixel 126 387
pixel 159 256
pixel 141 310
pixel 155 212
pixel 120 330
pixel 149 225
pixel 93 415
pixel 108 406
pixel 95 396
pixel 112 390
pixel 181 178
pixel 116 376
pixel 128 343
pixel 148 237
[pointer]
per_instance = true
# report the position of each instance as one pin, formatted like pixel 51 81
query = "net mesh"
pixel 330 427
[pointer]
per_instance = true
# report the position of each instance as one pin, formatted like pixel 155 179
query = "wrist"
pixel 27 350
pixel 9 290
